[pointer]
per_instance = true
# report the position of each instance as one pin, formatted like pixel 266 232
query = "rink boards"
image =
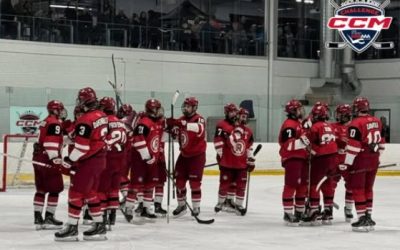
pixel 267 163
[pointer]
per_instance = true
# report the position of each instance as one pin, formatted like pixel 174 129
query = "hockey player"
pixel 242 120
pixel 232 142
pixel 294 155
pixel 146 154
pixel 48 181
pixel 127 116
pixel 192 158
pixel 343 118
pixel 323 162
pixel 362 159
pixel 111 176
pixel 162 176
pixel 86 162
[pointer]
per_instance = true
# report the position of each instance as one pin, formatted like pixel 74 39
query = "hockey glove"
pixel 67 167
pixel 251 164
pixel 56 163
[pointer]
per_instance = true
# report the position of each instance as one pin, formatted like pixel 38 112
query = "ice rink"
pixel 261 228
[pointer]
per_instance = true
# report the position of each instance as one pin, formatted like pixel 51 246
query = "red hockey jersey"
pixel 192 136
pixel 322 138
pixel 116 138
pixel 147 138
pixel 230 144
pixel 51 136
pixel 364 134
pixel 341 139
pixel 289 140
pixel 90 134
pixel 248 140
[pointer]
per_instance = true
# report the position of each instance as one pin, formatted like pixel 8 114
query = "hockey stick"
pixel 171 158
pixel 26 160
pixel 351 172
pixel 259 146
pixel 200 221
pixel 115 85
pixel 334 4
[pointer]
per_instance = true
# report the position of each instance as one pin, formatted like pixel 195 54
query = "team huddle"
pixel 115 151
pixel 312 148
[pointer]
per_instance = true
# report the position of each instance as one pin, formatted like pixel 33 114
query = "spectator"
pixel 120 28
pixel 186 35
pixel 135 31
pixel 9 24
pixel 196 28
pixel 238 38
pixel 256 40
pixel 154 34
pixel 210 33
pixel 143 21
pixel 85 27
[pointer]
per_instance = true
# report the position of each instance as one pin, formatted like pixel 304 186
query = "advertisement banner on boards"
pixel 26 120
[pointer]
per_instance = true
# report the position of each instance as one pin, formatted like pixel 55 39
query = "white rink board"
pixel 267 159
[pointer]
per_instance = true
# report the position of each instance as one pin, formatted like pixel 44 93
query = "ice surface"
pixel 261 228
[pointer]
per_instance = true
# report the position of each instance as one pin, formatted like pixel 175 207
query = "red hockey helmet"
pixel 360 104
pixel 243 115
pixel 87 98
pixel 343 113
pixel 107 104
pixel 55 107
pixel 343 109
pixel 319 103
pixel 243 111
pixel 153 108
pixel 230 107
pixel 320 113
pixel 191 102
pixel 292 106
pixel 125 110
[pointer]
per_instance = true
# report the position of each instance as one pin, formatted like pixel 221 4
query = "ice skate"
pixel 68 233
pixel 38 220
pixel 97 232
pixel 51 223
pixel 291 220
pixel 180 211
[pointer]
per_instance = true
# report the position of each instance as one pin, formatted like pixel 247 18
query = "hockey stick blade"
pixel 175 97
pixel 258 148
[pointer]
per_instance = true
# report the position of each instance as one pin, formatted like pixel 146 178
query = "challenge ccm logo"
pixel 29 122
pixel 359 23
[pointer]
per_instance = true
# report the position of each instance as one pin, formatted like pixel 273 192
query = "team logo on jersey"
pixel 184 139
pixel 359 23
pixel 239 149
pixel 29 122
pixel 155 144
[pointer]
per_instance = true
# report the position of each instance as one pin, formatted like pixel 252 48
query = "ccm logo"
pixel 374 23
pixel 27 123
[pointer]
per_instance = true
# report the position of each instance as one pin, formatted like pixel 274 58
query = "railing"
pixel 133 36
